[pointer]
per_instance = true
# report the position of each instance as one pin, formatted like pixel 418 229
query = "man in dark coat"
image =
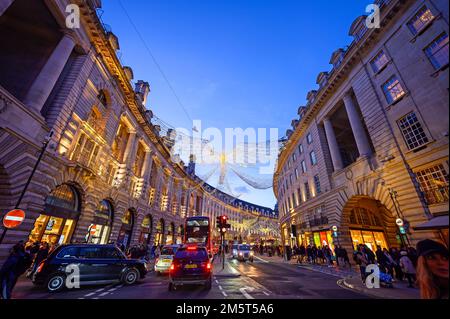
pixel 16 264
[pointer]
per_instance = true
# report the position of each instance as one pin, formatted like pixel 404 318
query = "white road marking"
pixel 103 294
pixel 224 293
pixel 263 260
pixel 100 289
pixel 88 295
pixel 220 287
pixel 217 282
pixel 266 293
pixel 245 293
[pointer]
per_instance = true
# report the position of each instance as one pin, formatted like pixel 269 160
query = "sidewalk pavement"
pixel 350 278
pixel 228 271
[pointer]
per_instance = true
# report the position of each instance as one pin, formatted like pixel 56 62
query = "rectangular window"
pixel 290 179
pixel 296 173
pixel 303 167
pixel 420 20
pixel 393 90
pixel 294 157
pixel 309 138
pixel 313 158
pixel 379 61
pixel 299 193
pixel 300 149
pixel 317 184
pixel 434 184
pixel 412 131
pixel 307 191
pixel 437 51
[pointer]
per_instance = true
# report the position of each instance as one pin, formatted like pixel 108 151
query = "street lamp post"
pixel 41 154
pixel 393 195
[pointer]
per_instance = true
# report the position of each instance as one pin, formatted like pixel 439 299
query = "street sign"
pixel 334 228
pixel 13 218
pixel 399 222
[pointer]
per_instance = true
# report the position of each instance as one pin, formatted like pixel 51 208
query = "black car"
pixel 97 264
pixel 190 266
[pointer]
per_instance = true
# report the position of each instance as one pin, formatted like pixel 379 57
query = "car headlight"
pixel 240 254
pixel 251 253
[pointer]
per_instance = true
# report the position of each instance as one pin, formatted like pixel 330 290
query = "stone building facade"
pixel 370 148
pixel 106 174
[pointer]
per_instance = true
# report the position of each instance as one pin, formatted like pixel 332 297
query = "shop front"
pixel 323 238
pixel 126 230
pixel 146 230
pixel 370 238
pixel 55 225
pixel 100 229
pixel 159 235
pixel 180 235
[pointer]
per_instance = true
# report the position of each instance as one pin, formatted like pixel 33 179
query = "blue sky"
pixel 233 63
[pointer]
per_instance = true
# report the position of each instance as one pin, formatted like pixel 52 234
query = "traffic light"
pixel 221 223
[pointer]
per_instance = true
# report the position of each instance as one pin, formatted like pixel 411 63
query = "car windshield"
pixel 168 251
pixel 244 247
pixel 199 253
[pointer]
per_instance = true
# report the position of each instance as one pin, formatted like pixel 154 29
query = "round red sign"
pixel 13 218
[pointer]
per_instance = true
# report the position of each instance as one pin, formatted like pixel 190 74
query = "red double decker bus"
pixel 197 230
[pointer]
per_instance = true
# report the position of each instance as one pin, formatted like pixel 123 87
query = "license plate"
pixel 166 261
pixel 190 266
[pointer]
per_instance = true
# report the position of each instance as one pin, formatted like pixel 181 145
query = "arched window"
pixel 364 217
pixel 64 196
pixel 100 230
pixel 102 98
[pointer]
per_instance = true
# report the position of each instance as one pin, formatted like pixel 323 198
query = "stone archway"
pixel 365 220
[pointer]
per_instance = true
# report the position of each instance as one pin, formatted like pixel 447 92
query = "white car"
pixel 243 252
pixel 164 260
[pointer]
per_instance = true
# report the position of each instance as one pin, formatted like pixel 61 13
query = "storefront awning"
pixel 440 222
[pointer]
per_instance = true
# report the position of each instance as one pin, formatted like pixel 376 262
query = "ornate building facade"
pixel 107 174
pixel 366 162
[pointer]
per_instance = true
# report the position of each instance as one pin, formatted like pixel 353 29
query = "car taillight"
pixel 41 265
pixel 172 267
pixel 208 266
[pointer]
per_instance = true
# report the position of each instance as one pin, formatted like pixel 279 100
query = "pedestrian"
pixel 381 259
pixel 309 253
pixel 408 268
pixel 432 269
pixel 314 254
pixel 15 265
pixel 398 270
pixel 41 254
pixel 302 253
pixel 344 254
pixel 412 254
pixel 362 261
pixel 370 255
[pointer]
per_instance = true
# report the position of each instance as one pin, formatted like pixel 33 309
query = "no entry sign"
pixel 13 218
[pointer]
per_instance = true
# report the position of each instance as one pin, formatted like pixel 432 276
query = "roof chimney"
pixel 142 89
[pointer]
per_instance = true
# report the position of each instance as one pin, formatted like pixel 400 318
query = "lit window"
pixel 313 158
pixel 434 184
pixel 393 90
pixel 304 167
pixel 309 138
pixel 437 51
pixel 317 184
pixel 422 18
pixel 379 62
pixel 412 131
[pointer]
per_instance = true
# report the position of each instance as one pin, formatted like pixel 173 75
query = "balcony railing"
pixel 318 221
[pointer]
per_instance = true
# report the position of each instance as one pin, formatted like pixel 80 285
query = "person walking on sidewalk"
pixel 408 268
pixel 16 265
pixel 362 261
pixel 432 269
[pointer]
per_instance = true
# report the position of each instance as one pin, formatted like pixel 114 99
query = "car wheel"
pixel 208 284
pixel 130 276
pixel 56 282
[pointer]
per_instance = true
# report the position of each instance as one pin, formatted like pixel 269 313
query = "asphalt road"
pixel 261 279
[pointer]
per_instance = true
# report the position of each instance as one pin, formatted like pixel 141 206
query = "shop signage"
pixel 334 228
pixel 13 218
pixel 399 222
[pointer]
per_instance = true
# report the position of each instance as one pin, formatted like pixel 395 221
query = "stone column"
pixel 332 145
pixel 46 80
pixel 147 165
pixel 4 5
pixel 129 147
pixel 359 132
